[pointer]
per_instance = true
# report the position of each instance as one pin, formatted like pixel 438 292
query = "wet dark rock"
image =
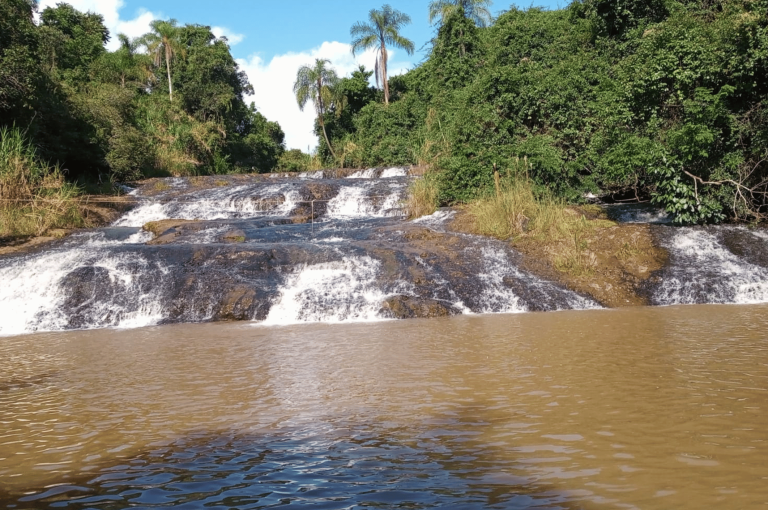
pixel 234 236
pixel 407 307
pixel 745 243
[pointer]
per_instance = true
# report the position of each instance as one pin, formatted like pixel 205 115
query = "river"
pixel 244 355
pixel 658 407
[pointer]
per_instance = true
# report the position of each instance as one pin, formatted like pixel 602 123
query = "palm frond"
pixel 382 30
pixel 476 10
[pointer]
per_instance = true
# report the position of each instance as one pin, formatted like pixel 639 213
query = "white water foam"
pixel 311 175
pixel 140 237
pixel 497 297
pixel 354 202
pixel 760 234
pixel 393 172
pixel 341 291
pixel 216 204
pixel 369 173
pixel 436 218
pixel 706 271
pixel 32 295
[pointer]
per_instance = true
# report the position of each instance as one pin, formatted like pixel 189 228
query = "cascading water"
pixel 39 291
pixel 714 265
pixel 213 204
pixel 341 291
pixel 324 246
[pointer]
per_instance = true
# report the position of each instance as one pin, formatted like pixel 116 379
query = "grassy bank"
pixel 576 246
pixel 516 211
pixel 520 212
pixel 423 196
pixel 34 197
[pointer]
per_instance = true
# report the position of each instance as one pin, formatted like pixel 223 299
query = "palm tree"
pixel 476 10
pixel 126 57
pixel 317 84
pixel 382 30
pixel 164 41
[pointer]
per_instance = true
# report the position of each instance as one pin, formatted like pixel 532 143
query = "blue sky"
pixel 272 39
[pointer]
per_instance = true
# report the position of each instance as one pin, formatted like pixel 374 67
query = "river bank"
pixel 338 247
pixel 614 260
pixel 94 210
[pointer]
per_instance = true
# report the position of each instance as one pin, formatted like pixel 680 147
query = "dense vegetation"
pixel 629 99
pixel 170 103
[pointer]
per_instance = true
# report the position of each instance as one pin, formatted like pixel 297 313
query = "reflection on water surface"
pixel 635 408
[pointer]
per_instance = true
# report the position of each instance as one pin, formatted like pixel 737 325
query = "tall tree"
pixel 209 83
pixel 382 29
pixel 317 84
pixel 476 10
pixel 20 72
pixel 163 42
pixel 125 66
pixel 74 40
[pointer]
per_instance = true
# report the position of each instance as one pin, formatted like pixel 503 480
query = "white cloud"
pixel 135 27
pixel 273 86
pixel 232 37
pixel 110 10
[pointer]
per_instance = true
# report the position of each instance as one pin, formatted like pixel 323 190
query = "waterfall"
pixel 327 246
pixel 342 291
pixel 40 292
pixel 248 201
pixel 704 270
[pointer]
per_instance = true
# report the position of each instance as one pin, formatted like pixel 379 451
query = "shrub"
pixel 33 196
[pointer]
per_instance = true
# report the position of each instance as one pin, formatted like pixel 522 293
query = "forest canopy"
pixel 662 100
pixel 625 99
pixel 110 115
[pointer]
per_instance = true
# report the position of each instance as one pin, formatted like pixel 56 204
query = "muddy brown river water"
pixel 635 408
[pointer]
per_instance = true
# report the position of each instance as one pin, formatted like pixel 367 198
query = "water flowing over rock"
pixel 713 265
pixel 329 246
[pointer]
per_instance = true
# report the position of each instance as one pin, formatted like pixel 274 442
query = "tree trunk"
pixel 168 68
pixel 320 115
pixel 330 147
pixel 384 73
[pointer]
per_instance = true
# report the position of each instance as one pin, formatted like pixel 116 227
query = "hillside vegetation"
pixel 662 100
pixel 627 99
pixel 169 103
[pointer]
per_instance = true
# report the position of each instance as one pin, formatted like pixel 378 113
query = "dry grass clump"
pixel 422 196
pixel 516 212
pixel 33 196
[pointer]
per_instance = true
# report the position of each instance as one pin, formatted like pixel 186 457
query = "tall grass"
pixel 34 197
pixel 517 211
pixel 423 196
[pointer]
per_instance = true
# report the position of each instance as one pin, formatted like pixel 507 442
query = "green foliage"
pixel 20 73
pixel 258 145
pixel 168 103
pixel 649 99
pixel 294 161
pixel 73 40
pixel 33 196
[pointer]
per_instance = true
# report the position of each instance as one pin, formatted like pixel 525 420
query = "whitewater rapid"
pixel 321 247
